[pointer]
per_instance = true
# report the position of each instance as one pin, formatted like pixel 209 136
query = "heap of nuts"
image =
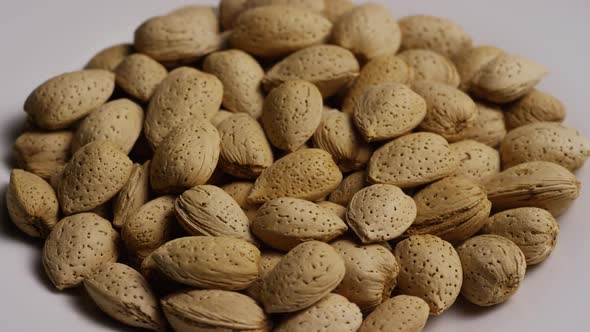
pixel 288 165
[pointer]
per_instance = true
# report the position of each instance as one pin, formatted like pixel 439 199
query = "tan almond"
pixel 333 9
pixel 133 195
pixel 402 313
pixel 477 161
pixel 43 153
pixel 311 5
pixel 435 33
pixel 331 207
pixel 139 75
pixel 229 10
pixel 268 260
pixel 489 127
pixel 219 117
pixel 239 191
pixel 349 186
pixel 109 58
pixel 431 66
pixel 471 61
pixel 537 106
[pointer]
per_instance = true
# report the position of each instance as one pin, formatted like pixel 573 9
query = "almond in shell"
pixel 477 161
pixel 537 106
pixel 268 260
pixel 133 195
pixel 402 313
pixel 489 127
pixel 470 61
pixel 435 33
pixel 331 207
pixel 431 66
pixel 239 191
pixel 349 186
pixel 139 75
pixel 43 153
pixel 110 57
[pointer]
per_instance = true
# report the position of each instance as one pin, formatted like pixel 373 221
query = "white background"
pixel 40 39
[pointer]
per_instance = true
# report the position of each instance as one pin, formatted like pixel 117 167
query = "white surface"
pixel 41 39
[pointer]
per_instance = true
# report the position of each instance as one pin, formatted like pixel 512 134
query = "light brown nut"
pixel 454 209
pixel 109 58
pixel 119 122
pixel 371 273
pixel 450 111
pixel 245 151
pixel 184 35
pixel 304 276
pixel 208 210
pixel 239 191
pixel 537 106
pixel 139 75
pixel 125 295
pixel 307 174
pixel 63 100
pixel 209 262
pixel 333 313
pixel 133 195
pixel 43 153
pixel 388 68
pixel 184 94
pixel 338 135
pixel 431 66
pixel 241 76
pixel 489 127
pixel 284 223
pixel 76 246
pixel 175 167
pixel 368 30
pixel 380 212
pixel 329 67
pixel 477 161
pixel 507 78
pixel 312 5
pixel 349 186
pixel 276 30
pixel 214 310
pixel 150 227
pixel 331 207
pixel 412 160
pixel 229 10
pixel 291 114
pixel 94 175
pixel 545 141
pixel 401 313
pixel 388 111
pixel 539 184
pixel 429 269
pixel 268 260
pixel 31 203
pixel 434 33
pixel 493 268
pixel 472 60
pixel 333 9
pixel 219 117
pixel 533 230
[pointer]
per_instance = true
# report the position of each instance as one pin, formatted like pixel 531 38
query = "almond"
pixel 268 260
pixel 477 161
pixel 537 106
pixel 110 57
pixel 291 114
pixel 239 191
pixel 489 127
pixel 333 9
pixel 431 66
pixel 304 276
pixel 218 118
pixel 229 10
pixel 336 209
pixel 76 246
pixel 133 195
pixel 401 313
pixel 430 269
pixel 349 186
pixel 63 100
pixel 387 111
pixel 43 153
pixel 435 33
pixel 139 75
pixel 307 174
pixel 471 61
pixel 312 5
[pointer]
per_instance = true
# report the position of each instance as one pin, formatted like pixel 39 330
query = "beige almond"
pixel 268 260
pixel 43 153
pixel 333 9
pixel 219 117
pixel 312 5
pixel 537 106
pixel 110 57
pixel 349 186
pixel 229 10
pixel 331 207
pixel 489 127
pixel 239 191
pixel 428 65
pixel 471 61
pixel 139 75
pixel 477 161
pixel 402 313
pixel 435 33
pixel 133 195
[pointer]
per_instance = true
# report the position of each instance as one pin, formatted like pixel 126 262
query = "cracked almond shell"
pixel 428 65
pixel 401 313
pixel 435 33
pixel 537 106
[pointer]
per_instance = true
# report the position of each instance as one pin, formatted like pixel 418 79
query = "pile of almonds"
pixel 363 173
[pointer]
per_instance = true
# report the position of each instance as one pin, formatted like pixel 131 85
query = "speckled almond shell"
pixel 545 141
pixel 284 223
pixel 402 313
pixel 76 246
pixel 229 10
pixel 349 186
pixel 430 269
pixel 307 174
pixel 109 58
pixel 493 268
pixel 150 227
pixel 450 111
pixel 208 210
pixel 43 153
pixel 268 260
pixel 218 118
pixel 472 60
pixel 380 212
pixel 119 122
pixel 239 191
pixel 454 209
pixel 291 114
pixel 275 30
pixel 368 30
pixel 387 111
pixel 94 175
pixel 214 310
pixel 371 273
pixel 329 67
pixel 537 106
pixel 245 151
pixel 31 203
pixel 539 184
pixel 533 230
pixel 431 66
pixel 507 78
pixel 133 195
pixel 63 100
pixel 185 94
pixel 338 135
pixel 412 160
pixel 304 276
pixel 333 311
pixel 331 207
pixel 125 295
pixel 489 127
pixel 209 262
pixel 312 5
pixel 241 76
pixel 139 75
pixel 333 9
pixel 477 161
pixel 435 33
pixel 186 158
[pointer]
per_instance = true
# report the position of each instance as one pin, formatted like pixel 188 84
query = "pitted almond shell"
pixel 133 195
pixel 333 9
pixel 268 260
pixel 477 161
pixel 239 191
pixel 428 65
pixel 537 106
pixel 401 313
pixel 139 75
pixel 489 127
pixel 435 33
pixel 331 207
pixel 471 61
pixel 109 58
pixel 229 10
pixel 349 186
pixel 43 153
